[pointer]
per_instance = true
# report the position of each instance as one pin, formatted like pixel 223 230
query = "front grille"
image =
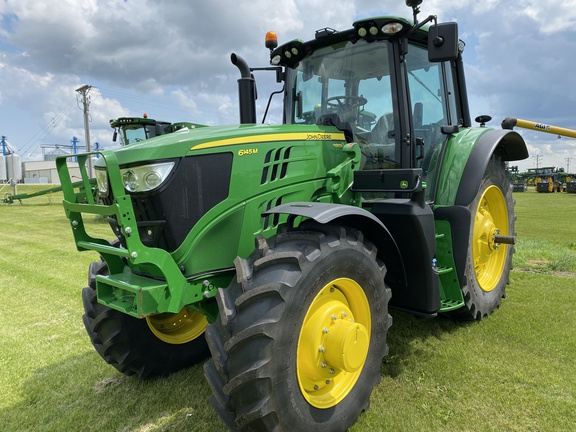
pixel 165 217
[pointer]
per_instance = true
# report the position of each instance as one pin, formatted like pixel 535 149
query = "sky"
pixel 171 60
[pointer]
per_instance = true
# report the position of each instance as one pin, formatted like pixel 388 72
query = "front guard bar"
pixel 122 289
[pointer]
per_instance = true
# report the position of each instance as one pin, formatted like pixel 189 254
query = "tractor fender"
pixel 354 217
pixel 507 144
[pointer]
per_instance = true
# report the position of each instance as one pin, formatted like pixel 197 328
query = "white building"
pixel 45 172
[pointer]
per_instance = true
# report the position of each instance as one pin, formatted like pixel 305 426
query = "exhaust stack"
pixel 246 91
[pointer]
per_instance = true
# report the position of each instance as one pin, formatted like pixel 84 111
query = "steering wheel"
pixel 340 101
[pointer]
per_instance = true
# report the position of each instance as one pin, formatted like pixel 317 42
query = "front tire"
pixel 301 333
pixel 154 346
pixel 488 263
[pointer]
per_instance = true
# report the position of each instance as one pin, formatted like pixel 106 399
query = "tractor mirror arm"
pixel 279 72
pixel 418 25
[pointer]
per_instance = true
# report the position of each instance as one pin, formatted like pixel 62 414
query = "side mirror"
pixel 115 135
pixel 158 129
pixel 443 42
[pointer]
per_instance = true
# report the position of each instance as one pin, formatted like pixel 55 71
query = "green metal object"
pixel 376 166
pixel 184 235
pixel 450 291
pixel 82 195
pixel 204 258
pixel 458 149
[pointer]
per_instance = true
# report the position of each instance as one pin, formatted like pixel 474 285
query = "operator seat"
pixel 381 131
pixel 380 150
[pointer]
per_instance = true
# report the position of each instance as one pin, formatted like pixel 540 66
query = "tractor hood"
pixel 220 138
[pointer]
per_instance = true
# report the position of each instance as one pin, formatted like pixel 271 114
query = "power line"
pixel 49 125
pixel 45 130
pixel 538 159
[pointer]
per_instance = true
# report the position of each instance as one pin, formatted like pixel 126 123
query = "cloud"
pixel 170 58
pixel 552 16
pixel 526 74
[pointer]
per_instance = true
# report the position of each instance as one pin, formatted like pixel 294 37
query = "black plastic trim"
pixel 354 217
pixel 507 144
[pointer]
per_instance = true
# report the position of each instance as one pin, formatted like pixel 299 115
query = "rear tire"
pixel 301 333
pixel 140 346
pixel 488 264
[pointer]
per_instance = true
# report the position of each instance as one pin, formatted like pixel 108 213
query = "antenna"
pixel 415 9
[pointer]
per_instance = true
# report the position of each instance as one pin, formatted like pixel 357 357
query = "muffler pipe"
pixel 246 90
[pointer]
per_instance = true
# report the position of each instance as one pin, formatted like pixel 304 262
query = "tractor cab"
pixel 352 80
pixel 136 129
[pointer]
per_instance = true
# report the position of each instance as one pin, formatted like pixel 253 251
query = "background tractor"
pixel 517 179
pixel 137 129
pixel 519 186
pixel 279 249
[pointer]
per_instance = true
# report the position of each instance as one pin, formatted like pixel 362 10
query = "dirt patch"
pixel 537 263
pixel 544 270
pixel 107 383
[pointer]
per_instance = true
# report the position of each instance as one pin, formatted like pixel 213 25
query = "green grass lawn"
pixel 515 371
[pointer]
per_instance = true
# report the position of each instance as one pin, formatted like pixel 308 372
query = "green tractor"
pixel 137 129
pixel 279 249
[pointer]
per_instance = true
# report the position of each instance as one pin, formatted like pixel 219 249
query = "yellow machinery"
pixel 511 122
pixel 547 182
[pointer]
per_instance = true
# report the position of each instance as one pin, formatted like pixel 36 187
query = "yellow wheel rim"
pixel 333 343
pixel 177 328
pixel 488 257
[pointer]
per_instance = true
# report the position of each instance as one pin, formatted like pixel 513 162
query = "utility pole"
pixel 84 90
pixel 538 159
pixel 567 160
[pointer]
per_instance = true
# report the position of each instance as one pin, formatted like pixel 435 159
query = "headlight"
pixel 145 177
pixel 102 182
